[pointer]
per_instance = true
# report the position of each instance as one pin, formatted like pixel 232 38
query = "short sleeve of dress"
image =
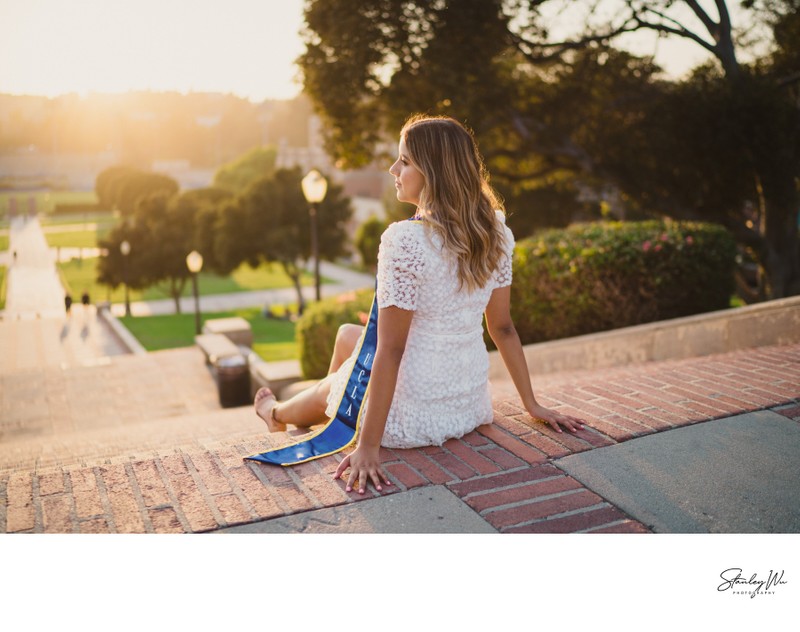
pixel 503 275
pixel 400 265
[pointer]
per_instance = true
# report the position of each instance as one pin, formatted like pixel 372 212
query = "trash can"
pixel 233 381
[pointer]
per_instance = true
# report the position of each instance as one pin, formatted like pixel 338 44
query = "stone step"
pixel 141 439
pixel 118 403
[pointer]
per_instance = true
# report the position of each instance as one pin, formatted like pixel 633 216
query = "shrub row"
pixel 579 280
pixel 316 329
pixel 605 275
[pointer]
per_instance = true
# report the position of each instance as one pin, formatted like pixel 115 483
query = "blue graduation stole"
pixel 341 431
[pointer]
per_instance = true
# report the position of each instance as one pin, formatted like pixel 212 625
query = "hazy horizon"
pixel 245 48
pixel 242 47
pixel 166 91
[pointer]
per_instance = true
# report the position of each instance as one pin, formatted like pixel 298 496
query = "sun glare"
pixel 244 47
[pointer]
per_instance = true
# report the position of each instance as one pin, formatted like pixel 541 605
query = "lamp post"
pixel 315 186
pixel 194 261
pixel 125 249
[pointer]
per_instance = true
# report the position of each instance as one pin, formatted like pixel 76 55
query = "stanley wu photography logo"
pixel 737 582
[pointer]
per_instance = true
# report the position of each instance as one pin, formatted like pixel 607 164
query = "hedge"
pixel 601 276
pixel 316 329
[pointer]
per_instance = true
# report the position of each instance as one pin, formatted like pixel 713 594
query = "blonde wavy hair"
pixel 456 200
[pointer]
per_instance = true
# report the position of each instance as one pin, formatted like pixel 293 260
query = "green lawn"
pixel 78 275
pixel 106 217
pixel 3 242
pixel 273 340
pixel 78 238
pixel 2 287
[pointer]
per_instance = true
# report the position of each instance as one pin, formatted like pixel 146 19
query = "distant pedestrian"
pixel 15 256
pixel 85 299
pixel 68 303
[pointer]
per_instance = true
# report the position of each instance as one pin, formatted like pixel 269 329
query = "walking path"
pixel 34 289
pixel 138 444
pixel 36 329
pixel 344 281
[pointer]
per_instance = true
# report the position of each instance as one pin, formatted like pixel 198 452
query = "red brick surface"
pixel 506 519
pixel 124 509
pixel 151 486
pixel 20 512
pixel 598 518
pixel 530 491
pixel 232 510
pixel 513 445
pixel 165 520
pixel 405 476
pixel 474 459
pixel 86 494
pixel 255 492
pixel 504 471
pixel 192 503
pixel 56 512
pixel 96 525
pixel 51 483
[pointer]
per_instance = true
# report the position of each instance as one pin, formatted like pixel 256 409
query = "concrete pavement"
pixel 731 475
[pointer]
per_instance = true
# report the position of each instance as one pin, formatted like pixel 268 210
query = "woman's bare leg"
pixel 346 340
pixel 307 408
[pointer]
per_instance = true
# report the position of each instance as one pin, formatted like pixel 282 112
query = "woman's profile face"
pixel 408 180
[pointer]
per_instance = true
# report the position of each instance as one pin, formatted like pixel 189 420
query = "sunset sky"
pixel 244 47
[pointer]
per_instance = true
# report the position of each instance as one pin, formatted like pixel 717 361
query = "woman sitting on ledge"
pixel 437 278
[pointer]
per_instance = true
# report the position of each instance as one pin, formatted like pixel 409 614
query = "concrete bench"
pixel 275 375
pixel 230 366
pixel 216 346
pixel 236 329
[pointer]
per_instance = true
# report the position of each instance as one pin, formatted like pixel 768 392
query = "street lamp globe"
pixel 315 186
pixel 125 249
pixel 194 261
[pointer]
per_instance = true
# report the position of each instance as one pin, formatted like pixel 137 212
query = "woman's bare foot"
pixel 265 403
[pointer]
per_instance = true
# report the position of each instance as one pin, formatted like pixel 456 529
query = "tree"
pixel 207 206
pixel 241 173
pixel 750 120
pixel 168 227
pixel 368 239
pixel 270 223
pixel 162 231
pixel 548 109
pixel 122 187
pixel 114 268
pixel 108 181
pixel 138 185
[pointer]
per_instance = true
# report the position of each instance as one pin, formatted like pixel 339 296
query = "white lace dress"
pixel 442 386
